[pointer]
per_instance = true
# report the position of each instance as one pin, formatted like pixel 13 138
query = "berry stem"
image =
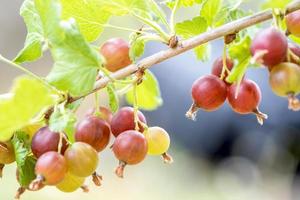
pixel 60 143
pixel 97 179
pixel 135 107
pixel 292 55
pixel 97 105
pixel 224 68
pixel 120 169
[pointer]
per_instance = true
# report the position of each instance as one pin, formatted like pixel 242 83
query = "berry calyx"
pixel 285 82
pixel 1 170
pixel 46 140
pixel 97 179
pixel 7 153
pixel 246 99
pixel 209 93
pixel 93 131
pixel 292 22
pixel 50 169
pixel 263 49
pixel 70 183
pixel 158 142
pixel 82 159
pixel 130 148
pixel 116 53
pixel 218 67
pixel 123 120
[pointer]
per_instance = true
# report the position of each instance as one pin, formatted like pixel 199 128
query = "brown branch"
pixel 227 29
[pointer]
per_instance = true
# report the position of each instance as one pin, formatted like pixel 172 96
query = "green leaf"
pixel 50 13
pixel 33 45
pixel 25 161
pixel 30 98
pixel 138 8
pixel 113 98
pixel 42 19
pixel 275 4
pixel 239 51
pixel 295 39
pixel 63 120
pixel 76 62
pixel 230 12
pixel 182 3
pixel 148 93
pixel 137 46
pixel 191 28
pixel 203 52
pixel 209 11
pixel 89 15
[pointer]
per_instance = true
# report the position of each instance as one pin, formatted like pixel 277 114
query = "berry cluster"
pixel 66 165
pixel 270 47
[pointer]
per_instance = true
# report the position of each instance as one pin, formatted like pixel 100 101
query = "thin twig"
pixel 230 28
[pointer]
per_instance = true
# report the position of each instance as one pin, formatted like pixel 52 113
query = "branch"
pixel 227 29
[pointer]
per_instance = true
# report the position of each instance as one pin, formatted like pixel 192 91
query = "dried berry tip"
pixel 37 184
pixel 192 112
pixel 19 193
pixel 120 169
pixel 97 179
pixel 294 103
pixel 167 158
pixel 260 116
pixel 1 170
pixel 85 188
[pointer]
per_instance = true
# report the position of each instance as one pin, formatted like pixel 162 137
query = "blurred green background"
pixel 222 156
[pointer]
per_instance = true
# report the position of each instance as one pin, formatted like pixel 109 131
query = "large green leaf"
pixel 148 93
pixel 190 28
pixel 210 10
pixel 76 62
pixel 275 3
pixel 42 19
pixel 89 15
pixel 30 98
pixel 185 3
pixel 34 40
pixel 24 158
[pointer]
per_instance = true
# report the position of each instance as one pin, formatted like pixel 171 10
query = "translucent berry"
pixel 130 147
pixel 246 99
pixel 93 131
pixel 46 140
pixel 123 120
pixel 116 53
pixel 269 47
